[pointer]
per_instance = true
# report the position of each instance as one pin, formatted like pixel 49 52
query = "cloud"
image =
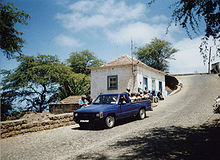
pixel 139 32
pixel 88 14
pixel 188 58
pixel 159 18
pixel 82 6
pixel 66 41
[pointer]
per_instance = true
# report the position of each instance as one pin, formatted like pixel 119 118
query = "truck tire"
pixel 142 113
pixel 110 121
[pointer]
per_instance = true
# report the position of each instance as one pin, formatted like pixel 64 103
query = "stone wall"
pixel 16 127
pixel 63 108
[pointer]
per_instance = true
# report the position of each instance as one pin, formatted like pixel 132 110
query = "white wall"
pixel 142 72
pixel 125 79
pixel 99 80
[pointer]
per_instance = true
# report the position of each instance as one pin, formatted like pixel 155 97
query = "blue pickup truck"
pixel 108 108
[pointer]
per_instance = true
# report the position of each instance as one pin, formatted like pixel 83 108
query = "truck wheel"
pixel 110 121
pixel 142 114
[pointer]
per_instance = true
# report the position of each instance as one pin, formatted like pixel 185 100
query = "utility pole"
pixel 132 67
pixel 209 63
pixel 132 56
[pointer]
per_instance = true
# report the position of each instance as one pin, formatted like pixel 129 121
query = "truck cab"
pixel 108 108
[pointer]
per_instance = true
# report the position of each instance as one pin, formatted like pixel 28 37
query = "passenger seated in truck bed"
pixel 133 98
pixel 146 96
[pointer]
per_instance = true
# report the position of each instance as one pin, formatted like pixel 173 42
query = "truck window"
pixel 106 99
pixel 123 99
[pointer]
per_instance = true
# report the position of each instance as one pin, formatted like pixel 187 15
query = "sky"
pixel 104 27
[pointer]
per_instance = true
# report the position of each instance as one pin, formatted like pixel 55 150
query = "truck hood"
pixel 93 108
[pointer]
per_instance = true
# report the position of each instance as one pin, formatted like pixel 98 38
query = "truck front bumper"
pixel 89 121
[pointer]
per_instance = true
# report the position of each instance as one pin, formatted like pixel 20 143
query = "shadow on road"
pixel 201 142
pixel 101 125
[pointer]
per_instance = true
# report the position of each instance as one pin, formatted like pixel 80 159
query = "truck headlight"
pixel 99 115
pixel 76 114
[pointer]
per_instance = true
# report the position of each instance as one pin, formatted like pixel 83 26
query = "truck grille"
pixel 86 115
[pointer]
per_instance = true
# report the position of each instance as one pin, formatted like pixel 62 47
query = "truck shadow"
pixel 127 120
pixel 101 126
pixel 202 142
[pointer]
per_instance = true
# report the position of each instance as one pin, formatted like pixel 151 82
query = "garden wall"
pixel 63 108
pixel 22 126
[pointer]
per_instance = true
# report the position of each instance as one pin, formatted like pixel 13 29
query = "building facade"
pixel 126 72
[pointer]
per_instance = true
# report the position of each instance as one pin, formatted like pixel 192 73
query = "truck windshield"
pixel 106 99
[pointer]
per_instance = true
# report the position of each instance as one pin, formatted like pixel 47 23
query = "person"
pixel 123 99
pixel 145 88
pixel 82 102
pixel 150 95
pixel 128 91
pixel 155 98
pixel 133 98
pixel 141 95
pixel 160 96
pixel 113 99
pixel 140 90
pixel 153 93
pixel 89 100
pixel 137 95
pixel 146 96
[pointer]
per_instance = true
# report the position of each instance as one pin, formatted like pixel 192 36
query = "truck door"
pixel 126 106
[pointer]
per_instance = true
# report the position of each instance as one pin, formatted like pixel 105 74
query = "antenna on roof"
pixel 132 56
pixel 132 66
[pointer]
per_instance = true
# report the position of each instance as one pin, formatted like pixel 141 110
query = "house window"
pixel 145 83
pixel 112 82
pixel 160 86
pixel 153 85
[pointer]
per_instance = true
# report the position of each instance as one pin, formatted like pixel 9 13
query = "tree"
pixel 35 81
pixel 156 54
pixel 5 108
pixel 6 104
pixel 210 50
pixel 191 14
pixel 77 84
pixel 10 38
pixel 79 62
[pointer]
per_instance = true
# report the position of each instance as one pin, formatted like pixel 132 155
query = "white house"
pixel 125 72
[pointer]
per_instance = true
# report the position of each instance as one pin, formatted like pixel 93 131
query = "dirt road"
pixel 172 131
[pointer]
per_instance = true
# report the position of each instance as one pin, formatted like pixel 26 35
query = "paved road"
pixel 190 107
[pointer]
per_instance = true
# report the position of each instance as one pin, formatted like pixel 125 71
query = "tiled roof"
pixel 127 60
pixel 123 60
pixel 70 100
